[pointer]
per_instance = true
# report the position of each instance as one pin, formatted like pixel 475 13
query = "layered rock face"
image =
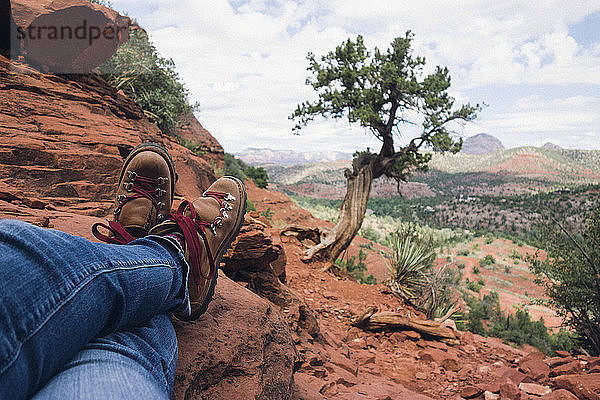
pixel 64 138
pixel 194 135
pixel 240 349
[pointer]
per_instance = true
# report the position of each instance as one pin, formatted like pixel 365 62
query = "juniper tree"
pixel 385 92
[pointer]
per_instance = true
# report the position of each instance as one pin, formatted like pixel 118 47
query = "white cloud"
pixel 245 63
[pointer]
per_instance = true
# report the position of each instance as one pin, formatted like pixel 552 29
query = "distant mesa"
pixel 481 144
pixel 261 156
pixel 551 146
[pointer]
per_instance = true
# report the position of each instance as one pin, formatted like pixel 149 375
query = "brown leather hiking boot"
pixel 206 228
pixel 144 195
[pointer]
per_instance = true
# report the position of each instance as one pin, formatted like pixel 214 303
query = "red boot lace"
pixel 140 187
pixel 193 226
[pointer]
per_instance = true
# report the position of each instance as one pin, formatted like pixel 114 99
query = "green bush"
pixel 356 269
pixel 570 275
pixel 236 167
pixel 487 261
pixel 149 79
pixel 476 270
pixel 258 175
pixel 370 234
pixel 516 328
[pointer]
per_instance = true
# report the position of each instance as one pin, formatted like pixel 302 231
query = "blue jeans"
pixel 83 320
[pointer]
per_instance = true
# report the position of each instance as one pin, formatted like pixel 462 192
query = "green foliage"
pixel 369 234
pixel 487 261
pixel 258 175
pixel 356 269
pixel 476 270
pixel 381 91
pixel 411 260
pixel 236 167
pixel 440 294
pixel 250 206
pixel 570 275
pixel 486 318
pixel 149 79
pixel 474 286
pixel 489 240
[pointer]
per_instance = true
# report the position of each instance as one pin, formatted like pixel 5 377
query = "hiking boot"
pixel 204 230
pixel 144 195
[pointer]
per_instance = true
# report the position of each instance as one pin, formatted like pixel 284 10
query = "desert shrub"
pixel 410 261
pixel 507 269
pixel 258 175
pixel 149 79
pixel 268 213
pixel 474 286
pixel 235 167
pixel 370 234
pixel 250 206
pixel 487 261
pixel 570 275
pixel 440 294
pixel 476 270
pixel 489 240
pixel 461 266
pixel 486 318
pixel 463 252
pixel 356 268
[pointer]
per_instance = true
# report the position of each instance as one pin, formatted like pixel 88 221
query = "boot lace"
pixel 139 187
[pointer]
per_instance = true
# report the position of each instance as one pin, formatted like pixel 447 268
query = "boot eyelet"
pixel 160 192
pixel 131 175
pixel 224 214
pixel 161 180
pixel 160 205
pixel 128 186
pixel 229 197
pixel 121 198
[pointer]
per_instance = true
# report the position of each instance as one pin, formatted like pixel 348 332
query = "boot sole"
pixel 224 247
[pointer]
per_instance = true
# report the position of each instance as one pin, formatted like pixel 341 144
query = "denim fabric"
pixel 137 364
pixel 58 292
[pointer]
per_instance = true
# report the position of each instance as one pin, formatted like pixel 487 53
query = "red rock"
pixel 560 394
pixel 320 372
pixel 534 366
pixel 307 387
pixel 583 386
pixel 64 55
pixel 193 134
pixel 470 392
pixel 534 388
pixel 509 391
pixel 35 203
pixel 593 362
pixel 554 362
pixel 490 396
pixel 451 364
pixel 255 357
pixel 73 145
pixel 570 368
pixel 562 353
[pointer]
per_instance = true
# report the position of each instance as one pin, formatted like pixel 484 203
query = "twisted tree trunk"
pixel 352 212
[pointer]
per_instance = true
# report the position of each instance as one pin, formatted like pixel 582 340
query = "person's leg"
pixel 58 292
pixel 136 364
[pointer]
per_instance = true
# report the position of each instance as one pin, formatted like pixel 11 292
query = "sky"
pixel 534 64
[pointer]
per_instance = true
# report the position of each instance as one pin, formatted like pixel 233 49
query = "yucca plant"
pixel 410 262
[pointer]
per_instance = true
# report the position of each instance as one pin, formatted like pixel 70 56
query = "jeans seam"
pixel 77 288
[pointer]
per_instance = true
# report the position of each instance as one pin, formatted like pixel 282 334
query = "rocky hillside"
pixel 277 329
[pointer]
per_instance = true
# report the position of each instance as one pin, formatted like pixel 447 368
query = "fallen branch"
pixel 373 320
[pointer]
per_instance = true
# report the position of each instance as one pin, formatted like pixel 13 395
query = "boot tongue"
pixel 207 208
pixel 136 216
